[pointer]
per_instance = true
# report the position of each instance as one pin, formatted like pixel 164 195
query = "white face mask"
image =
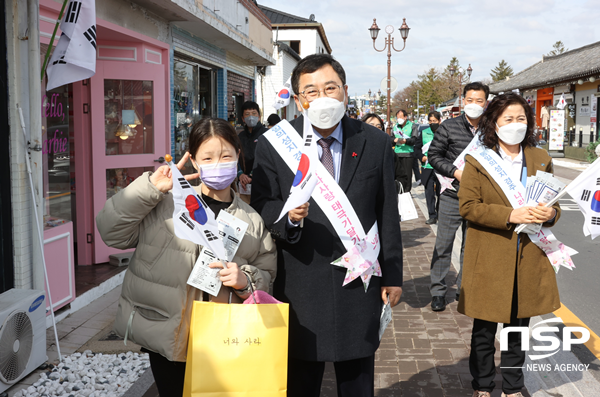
pixel 325 112
pixel 512 133
pixel 473 110
pixel 401 121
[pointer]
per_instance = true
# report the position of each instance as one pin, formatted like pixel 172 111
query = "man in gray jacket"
pixel 451 138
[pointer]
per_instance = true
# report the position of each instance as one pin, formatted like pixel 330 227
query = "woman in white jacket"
pixel 156 302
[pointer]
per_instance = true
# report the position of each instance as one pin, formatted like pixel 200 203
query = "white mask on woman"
pixel 512 133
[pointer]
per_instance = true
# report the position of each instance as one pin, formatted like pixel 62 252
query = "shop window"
pixel 295 45
pixel 192 100
pixel 58 156
pixel 118 179
pixel 236 117
pixel 128 112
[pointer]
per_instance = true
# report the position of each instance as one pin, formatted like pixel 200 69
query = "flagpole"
pixel 39 231
pixel 60 15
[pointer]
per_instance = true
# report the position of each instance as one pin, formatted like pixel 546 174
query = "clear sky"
pixel 477 32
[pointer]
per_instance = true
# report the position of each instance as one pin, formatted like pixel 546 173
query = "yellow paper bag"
pixel 237 350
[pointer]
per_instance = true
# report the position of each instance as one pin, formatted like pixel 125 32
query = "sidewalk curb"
pixel 537 383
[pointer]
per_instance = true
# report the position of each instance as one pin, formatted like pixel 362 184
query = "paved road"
pixel 578 288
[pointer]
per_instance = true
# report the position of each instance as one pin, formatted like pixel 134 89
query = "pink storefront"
pixel 99 135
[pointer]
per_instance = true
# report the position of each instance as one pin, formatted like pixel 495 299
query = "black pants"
pixel 432 191
pixel 354 378
pixel 404 172
pixel 416 169
pixel 168 375
pixel 481 360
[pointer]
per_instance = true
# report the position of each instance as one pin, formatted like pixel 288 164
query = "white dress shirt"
pixel 513 166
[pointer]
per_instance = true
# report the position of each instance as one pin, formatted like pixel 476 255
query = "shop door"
pixel 129 131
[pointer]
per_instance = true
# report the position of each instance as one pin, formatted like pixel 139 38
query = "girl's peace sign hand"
pixel 162 178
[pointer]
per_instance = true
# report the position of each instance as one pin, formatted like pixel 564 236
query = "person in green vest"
pixel 428 177
pixel 405 135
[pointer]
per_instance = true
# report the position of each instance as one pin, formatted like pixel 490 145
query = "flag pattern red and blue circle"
pixel 303 168
pixel 196 210
pixel 284 93
pixel 596 201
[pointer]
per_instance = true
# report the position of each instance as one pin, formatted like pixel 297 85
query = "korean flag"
pixel 193 220
pixel 585 190
pixel 74 57
pixel 283 96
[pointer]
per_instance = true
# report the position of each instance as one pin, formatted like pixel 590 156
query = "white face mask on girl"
pixel 512 133
pixel 325 112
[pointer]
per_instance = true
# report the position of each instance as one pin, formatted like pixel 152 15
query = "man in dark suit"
pixel 328 322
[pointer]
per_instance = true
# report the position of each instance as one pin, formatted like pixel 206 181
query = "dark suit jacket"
pixel 329 322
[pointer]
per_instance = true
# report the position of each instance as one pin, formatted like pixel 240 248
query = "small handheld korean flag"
pixel 561 102
pixel 74 57
pixel 192 219
pixel 305 179
pixel 585 190
pixel 283 96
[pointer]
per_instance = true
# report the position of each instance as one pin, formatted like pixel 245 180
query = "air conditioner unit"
pixel 22 334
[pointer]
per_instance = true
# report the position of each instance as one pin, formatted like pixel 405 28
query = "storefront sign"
pixel 55 145
pixel 52 108
pixel 572 109
pixel 584 111
pixel 557 129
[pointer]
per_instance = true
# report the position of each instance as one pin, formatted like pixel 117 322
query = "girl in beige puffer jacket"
pixel 156 301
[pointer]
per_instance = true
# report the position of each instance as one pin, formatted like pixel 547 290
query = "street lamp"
pixel 461 72
pixel 371 97
pixel 389 44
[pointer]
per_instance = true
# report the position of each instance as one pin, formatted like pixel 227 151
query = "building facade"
pixel 160 67
pixel 294 38
pixel 574 75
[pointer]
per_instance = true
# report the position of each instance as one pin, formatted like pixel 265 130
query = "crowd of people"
pixel 502 272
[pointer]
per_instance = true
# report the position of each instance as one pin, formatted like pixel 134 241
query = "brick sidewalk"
pixel 422 353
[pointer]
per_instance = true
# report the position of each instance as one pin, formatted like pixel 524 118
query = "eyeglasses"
pixel 330 91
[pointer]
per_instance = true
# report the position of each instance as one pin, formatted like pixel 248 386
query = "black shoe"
pixel 431 221
pixel 438 304
pixel 457 296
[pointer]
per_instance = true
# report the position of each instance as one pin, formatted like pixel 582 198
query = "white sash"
pixel 329 197
pixel 445 182
pixel 557 252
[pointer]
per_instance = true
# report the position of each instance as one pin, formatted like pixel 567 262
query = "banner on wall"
pixel 557 130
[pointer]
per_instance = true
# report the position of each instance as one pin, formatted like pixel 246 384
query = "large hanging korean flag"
pixel 192 219
pixel 305 179
pixel 283 96
pixel 74 57
pixel 585 190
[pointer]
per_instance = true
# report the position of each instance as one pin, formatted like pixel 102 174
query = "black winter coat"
pixel 451 138
pixel 329 322
pixel 249 141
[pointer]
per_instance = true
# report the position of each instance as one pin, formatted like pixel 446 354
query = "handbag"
pixel 238 350
pixel 406 206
